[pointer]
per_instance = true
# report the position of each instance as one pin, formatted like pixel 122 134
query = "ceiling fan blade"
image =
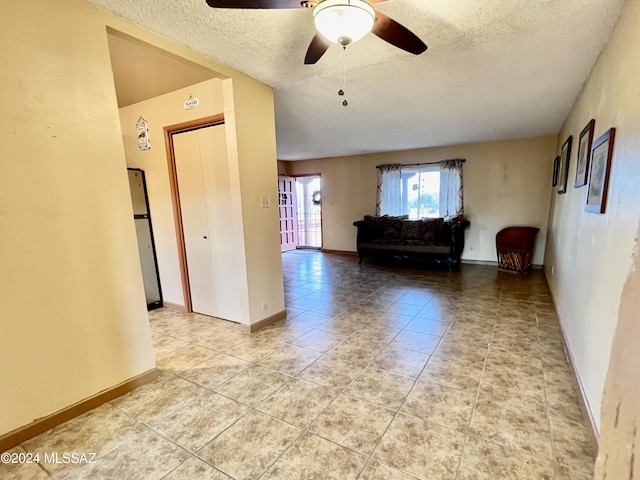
pixel 266 4
pixel 391 31
pixel 316 49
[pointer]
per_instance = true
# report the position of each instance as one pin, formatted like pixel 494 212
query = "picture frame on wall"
pixel 556 170
pixel 601 157
pixel 584 154
pixel 565 156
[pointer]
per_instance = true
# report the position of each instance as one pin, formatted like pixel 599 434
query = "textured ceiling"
pixel 495 69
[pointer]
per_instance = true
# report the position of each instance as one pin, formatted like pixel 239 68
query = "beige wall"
pixel 251 116
pixel 161 112
pixel 251 174
pixel 589 255
pixel 505 183
pixel 74 320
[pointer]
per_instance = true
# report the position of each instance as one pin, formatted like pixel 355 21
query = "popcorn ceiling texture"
pixel 495 69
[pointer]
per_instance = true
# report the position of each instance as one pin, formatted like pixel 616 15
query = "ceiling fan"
pixel 339 21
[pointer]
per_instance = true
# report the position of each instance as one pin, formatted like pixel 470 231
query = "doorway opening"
pixel 300 204
pixel 131 61
pixel 309 201
pixel 288 213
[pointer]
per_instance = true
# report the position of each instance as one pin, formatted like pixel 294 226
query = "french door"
pixel 288 217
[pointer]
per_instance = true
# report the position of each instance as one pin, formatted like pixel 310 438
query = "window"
pixel 420 191
pixel 427 190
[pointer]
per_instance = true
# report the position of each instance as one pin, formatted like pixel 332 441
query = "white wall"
pixel 505 183
pixel 589 255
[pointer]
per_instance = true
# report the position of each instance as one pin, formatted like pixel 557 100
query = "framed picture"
pixel 601 156
pixel 584 151
pixel 565 156
pixel 556 169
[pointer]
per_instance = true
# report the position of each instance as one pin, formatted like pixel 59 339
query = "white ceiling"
pixel 494 70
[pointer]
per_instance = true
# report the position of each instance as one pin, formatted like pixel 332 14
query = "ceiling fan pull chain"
pixel 344 62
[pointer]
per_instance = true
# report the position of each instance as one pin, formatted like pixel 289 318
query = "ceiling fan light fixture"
pixel 343 21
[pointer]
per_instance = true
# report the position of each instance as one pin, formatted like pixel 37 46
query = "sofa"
pixel 437 240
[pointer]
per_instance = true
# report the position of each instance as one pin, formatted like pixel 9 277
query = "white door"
pixel 191 192
pixel 287 207
pixel 213 247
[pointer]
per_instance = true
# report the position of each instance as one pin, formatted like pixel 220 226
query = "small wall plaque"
pixel 191 102
pixel 142 130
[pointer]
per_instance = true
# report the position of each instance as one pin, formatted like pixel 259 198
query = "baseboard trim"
pixel 584 402
pixel 174 306
pixel 254 327
pixel 487 263
pixel 491 263
pixel 347 253
pixel 41 425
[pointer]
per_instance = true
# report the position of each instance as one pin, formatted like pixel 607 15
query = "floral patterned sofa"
pixel 438 239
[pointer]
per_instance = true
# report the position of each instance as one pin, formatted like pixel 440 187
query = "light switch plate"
pixel 265 202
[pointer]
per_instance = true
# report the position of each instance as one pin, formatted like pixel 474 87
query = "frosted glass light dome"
pixel 344 21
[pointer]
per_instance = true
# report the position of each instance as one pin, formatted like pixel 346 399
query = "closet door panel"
pixel 224 247
pixel 191 192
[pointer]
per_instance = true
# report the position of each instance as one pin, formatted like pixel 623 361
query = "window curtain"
pixel 389 193
pixel 451 198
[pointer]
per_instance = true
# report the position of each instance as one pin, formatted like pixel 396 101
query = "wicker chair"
pixel 515 248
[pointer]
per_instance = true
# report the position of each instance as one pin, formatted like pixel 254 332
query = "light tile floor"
pixel 377 373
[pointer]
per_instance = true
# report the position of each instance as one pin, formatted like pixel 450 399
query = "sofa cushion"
pixel 411 229
pixel 429 229
pixel 400 230
pixel 393 226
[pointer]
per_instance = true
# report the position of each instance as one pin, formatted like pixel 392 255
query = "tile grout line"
pixel 475 401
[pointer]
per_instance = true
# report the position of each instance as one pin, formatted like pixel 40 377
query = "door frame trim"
pixel 169 131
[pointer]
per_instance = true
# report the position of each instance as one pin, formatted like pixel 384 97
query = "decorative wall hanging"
pixel 191 102
pixel 142 129
pixel 584 151
pixel 565 156
pixel 601 157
